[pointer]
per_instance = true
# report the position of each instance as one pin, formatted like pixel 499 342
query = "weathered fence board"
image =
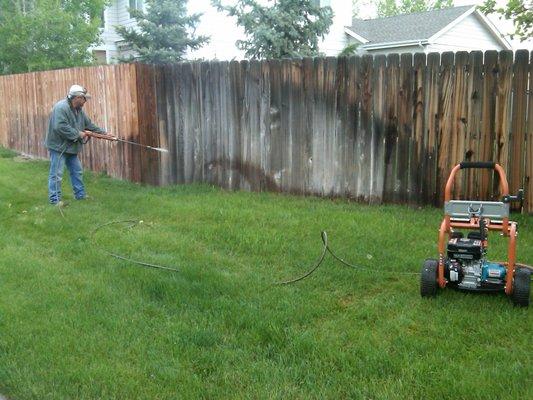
pixel 390 119
pixel 376 129
pixel 517 138
pixel 528 181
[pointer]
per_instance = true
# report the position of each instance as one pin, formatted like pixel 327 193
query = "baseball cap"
pixel 78 90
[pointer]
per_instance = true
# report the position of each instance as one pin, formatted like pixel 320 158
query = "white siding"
pixel 108 34
pixel 336 40
pixel 115 14
pixel 469 34
pixel 123 16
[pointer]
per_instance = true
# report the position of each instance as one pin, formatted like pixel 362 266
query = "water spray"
pixel 116 139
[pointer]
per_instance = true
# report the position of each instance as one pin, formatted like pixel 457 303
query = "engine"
pixel 466 266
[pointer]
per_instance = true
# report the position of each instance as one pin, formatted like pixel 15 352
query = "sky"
pixel 228 32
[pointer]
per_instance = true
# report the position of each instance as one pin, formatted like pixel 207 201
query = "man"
pixel 64 141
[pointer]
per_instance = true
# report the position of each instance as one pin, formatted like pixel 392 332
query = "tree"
pixel 284 28
pixel 165 32
pixel 349 50
pixel 47 34
pixel 388 8
pixel 516 11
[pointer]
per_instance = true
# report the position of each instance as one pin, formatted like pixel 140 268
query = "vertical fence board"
pixel 503 115
pixel 319 127
pixel 391 128
pixel 490 72
pixel 276 155
pixel 459 119
pixel 298 128
pixel 286 124
pixel 519 120
pixel 341 121
pixel 379 138
pixel 235 117
pixel 405 126
pixel 445 155
pixel 353 117
pixel 330 133
pixel 265 133
pixel 308 118
pixel 254 112
pixel 365 132
pixel 528 184
pixel 474 133
pixel 419 161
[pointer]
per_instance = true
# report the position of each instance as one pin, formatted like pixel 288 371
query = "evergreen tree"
pixel 47 34
pixel 283 28
pixel 388 8
pixel 165 32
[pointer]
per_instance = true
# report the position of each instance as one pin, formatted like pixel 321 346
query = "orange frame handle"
pixel 504 185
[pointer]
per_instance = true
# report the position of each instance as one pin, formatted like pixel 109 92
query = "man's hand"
pixel 83 135
pixel 106 136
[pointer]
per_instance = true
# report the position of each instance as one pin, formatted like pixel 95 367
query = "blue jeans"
pixel 57 165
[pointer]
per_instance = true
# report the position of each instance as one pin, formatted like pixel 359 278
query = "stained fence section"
pixel 375 129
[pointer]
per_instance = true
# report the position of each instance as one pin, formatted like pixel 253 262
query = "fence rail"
pixel 376 129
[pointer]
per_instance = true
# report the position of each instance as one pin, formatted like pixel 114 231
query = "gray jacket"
pixel 64 128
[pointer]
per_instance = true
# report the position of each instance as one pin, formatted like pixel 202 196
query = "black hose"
pixel 368 269
pixel 132 224
pixel 325 248
pixel 325 241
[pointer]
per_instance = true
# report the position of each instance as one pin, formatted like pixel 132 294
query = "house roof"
pixel 400 28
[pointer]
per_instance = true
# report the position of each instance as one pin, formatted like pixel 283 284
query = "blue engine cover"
pixel 492 271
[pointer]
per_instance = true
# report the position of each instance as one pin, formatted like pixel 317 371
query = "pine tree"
pixel 283 28
pixel 165 32
pixel 388 8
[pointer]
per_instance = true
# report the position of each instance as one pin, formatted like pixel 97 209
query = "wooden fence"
pixel 119 104
pixel 382 129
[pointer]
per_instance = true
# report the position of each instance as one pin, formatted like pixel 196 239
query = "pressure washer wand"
pixel 116 139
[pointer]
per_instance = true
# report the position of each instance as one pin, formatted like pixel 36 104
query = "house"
pixel 451 29
pixel 222 30
pixel 116 13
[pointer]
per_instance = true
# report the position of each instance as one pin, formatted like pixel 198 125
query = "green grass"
pixel 78 324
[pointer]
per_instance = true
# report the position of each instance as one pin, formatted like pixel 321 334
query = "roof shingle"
pixel 416 26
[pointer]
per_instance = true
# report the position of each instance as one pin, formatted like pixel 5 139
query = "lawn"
pixel 76 323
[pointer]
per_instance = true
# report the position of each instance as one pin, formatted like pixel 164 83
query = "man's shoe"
pixel 60 203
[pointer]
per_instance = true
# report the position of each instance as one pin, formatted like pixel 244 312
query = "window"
pixel 321 3
pixel 136 4
pixel 100 57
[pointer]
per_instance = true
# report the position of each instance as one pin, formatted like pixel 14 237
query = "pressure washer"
pixel 462 262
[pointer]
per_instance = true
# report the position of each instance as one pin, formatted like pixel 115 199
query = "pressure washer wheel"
pixel 428 278
pixel 521 283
